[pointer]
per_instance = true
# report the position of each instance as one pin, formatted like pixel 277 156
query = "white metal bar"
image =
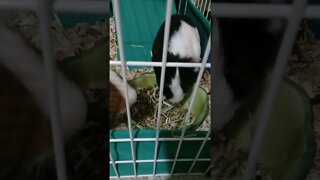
pixel 18 5
pixel 241 10
pixel 185 7
pixel 80 6
pixel 116 10
pixel 44 13
pixel 158 160
pixel 148 175
pixel 209 9
pixel 206 6
pixel 114 165
pixel 312 12
pixel 187 118
pixel 201 7
pixel 163 71
pixel 221 9
pixel 83 6
pixel 208 169
pixel 179 6
pixel 279 70
pixel 199 151
pixel 154 139
pixel 159 64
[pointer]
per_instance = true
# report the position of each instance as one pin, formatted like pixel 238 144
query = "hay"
pixel 146 108
pixel 144 111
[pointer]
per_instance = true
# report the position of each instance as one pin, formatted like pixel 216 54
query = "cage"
pixel 158 151
pixel 40 19
pixel 263 140
pixel 220 10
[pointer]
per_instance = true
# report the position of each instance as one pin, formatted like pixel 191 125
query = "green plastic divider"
pixel 144 150
pixel 140 21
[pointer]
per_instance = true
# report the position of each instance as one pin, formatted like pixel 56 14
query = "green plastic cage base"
pixel 144 150
pixel 140 21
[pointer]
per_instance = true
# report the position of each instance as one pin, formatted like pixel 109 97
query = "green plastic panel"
pixel 140 21
pixel 167 149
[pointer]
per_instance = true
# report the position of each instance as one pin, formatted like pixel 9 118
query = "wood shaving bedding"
pixel 66 42
pixel 304 69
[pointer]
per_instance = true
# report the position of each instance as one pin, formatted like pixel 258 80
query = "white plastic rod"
pixel 163 71
pixel 80 6
pixel 116 11
pixel 160 139
pixel 159 64
pixel 193 95
pixel 284 52
pixel 241 10
pixel 159 160
pixel 44 14
pixel 199 151
pixel 114 165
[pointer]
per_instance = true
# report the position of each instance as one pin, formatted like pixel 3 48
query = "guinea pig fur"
pixel 25 126
pixel 248 49
pixel 183 46
pixel 117 103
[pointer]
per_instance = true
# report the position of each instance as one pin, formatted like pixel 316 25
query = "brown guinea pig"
pixel 25 132
pixel 117 103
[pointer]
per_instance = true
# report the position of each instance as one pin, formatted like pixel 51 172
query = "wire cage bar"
pixel 44 8
pixel 293 13
pixel 219 9
pixel 165 64
pixel 123 64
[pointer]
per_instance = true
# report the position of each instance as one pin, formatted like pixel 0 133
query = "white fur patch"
pixel 186 42
pixel 224 107
pixel 118 83
pixel 27 66
pixel 176 89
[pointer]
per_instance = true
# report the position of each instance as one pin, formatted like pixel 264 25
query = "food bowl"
pixel 288 147
pixel 199 110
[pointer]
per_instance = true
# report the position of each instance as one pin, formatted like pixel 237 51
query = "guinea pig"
pixel 117 102
pixel 247 53
pixel 183 46
pixel 25 129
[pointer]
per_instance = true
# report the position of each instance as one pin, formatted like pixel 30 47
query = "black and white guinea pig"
pixel 183 46
pixel 117 103
pixel 248 49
